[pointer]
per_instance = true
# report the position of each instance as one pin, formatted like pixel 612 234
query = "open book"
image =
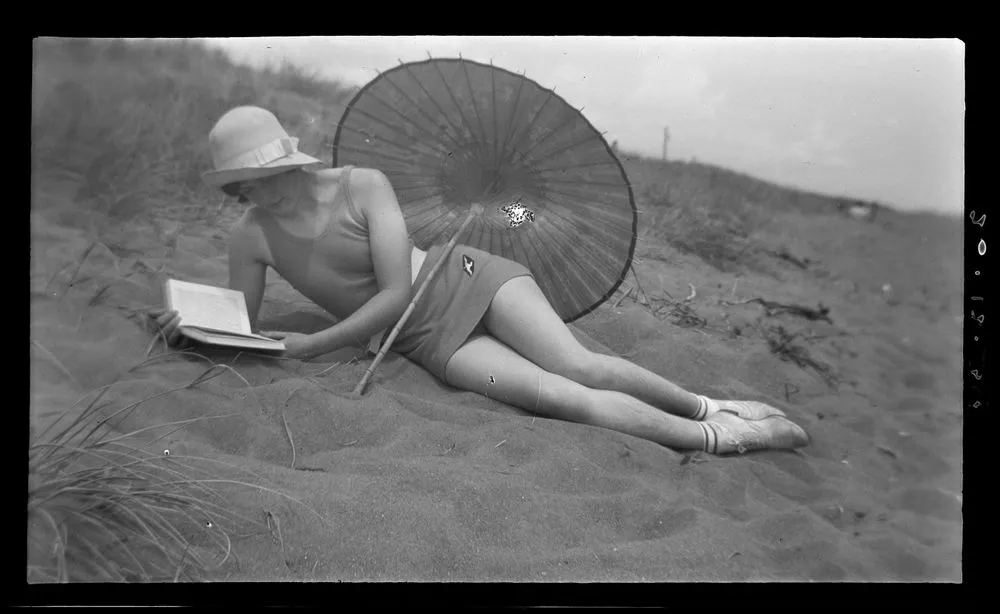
pixel 215 316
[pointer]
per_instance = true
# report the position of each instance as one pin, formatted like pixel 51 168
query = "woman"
pixel 339 237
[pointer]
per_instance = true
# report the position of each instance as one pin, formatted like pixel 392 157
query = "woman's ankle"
pixel 706 408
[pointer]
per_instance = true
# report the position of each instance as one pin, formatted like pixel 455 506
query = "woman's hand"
pixel 297 345
pixel 168 322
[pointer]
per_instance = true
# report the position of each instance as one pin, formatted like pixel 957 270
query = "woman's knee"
pixel 564 399
pixel 589 369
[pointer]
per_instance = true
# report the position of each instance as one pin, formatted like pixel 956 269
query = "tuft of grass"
pixel 102 509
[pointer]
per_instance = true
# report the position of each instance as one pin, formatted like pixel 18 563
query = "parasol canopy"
pixel 451 134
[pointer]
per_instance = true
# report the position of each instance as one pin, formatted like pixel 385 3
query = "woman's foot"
pixel 727 433
pixel 748 410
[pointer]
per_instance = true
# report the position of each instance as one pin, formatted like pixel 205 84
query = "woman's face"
pixel 270 193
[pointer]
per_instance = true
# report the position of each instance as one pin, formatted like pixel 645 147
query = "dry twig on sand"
pixel 822 312
pixel 693 294
pixel 641 296
pixel 52 358
pixel 622 297
pixel 272 518
pixel 790 389
pixel 680 312
pixel 787 256
pixel 780 343
pixel 288 431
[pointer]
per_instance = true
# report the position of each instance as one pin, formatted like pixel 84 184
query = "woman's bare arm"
pixel 247 272
pixel 390 249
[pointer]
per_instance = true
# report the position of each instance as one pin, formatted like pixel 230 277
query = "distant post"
pixel 666 137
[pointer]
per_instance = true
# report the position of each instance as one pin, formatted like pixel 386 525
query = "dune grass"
pixel 105 506
pixel 125 121
pixel 715 213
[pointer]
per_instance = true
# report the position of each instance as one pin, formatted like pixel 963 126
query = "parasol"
pixel 486 157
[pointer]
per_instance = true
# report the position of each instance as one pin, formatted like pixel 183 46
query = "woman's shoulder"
pixel 360 182
pixel 364 180
pixel 348 171
pixel 357 177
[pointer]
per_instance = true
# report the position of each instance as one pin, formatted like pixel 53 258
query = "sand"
pixel 416 481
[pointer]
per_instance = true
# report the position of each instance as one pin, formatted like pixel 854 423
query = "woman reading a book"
pixel 338 236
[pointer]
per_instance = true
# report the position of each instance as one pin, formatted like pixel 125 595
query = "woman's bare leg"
pixel 491 368
pixel 487 366
pixel 521 317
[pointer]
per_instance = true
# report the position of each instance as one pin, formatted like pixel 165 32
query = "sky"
pixel 872 119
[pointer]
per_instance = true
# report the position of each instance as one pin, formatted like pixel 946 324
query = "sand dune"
pixel 417 481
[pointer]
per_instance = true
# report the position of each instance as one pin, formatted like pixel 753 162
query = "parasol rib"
pixel 440 226
pixel 396 130
pixel 605 222
pixel 583 182
pixel 414 177
pixel 480 227
pixel 586 196
pixel 408 148
pixel 527 130
pixel 597 231
pixel 444 114
pixel 555 282
pixel 465 122
pixel 416 212
pixel 527 153
pixel 510 121
pixel 417 208
pixel 552 169
pixel 574 276
pixel 566 243
pixel 365 150
pixel 430 119
pixel 409 144
pixel 369 154
pixel 423 227
pixel 416 186
pixel 417 216
pixel 412 183
pixel 496 129
pixel 368 143
pixel 472 97
pixel 549 154
pixel 407 119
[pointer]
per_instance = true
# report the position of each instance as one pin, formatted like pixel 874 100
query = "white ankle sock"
pixel 711 437
pixel 706 407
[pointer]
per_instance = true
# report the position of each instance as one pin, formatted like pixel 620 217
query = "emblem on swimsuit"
pixel 468 265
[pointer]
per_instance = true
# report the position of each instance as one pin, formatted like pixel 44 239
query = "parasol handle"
pixel 359 389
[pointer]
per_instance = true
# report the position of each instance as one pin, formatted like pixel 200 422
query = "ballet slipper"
pixel 750 410
pixel 735 434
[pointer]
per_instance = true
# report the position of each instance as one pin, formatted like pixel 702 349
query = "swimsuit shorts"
pixel 453 305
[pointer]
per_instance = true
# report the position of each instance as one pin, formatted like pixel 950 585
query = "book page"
pixel 208 307
pixel 208 310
